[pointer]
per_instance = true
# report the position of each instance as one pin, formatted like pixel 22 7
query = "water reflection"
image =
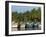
pixel 28 26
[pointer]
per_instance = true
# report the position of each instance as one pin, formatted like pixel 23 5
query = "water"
pixel 23 27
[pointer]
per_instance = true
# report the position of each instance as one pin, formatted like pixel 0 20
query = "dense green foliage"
pixel 27 16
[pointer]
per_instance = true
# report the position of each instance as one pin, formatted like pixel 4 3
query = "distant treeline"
pixel 34 14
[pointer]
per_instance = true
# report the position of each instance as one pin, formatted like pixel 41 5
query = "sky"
pixel 22 9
